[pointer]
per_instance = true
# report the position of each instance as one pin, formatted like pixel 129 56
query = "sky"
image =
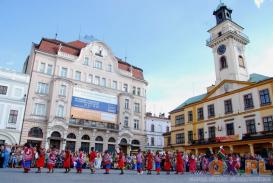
pixel 166 38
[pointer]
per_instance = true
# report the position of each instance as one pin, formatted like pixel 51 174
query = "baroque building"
pixel 81 95
pixel 236 112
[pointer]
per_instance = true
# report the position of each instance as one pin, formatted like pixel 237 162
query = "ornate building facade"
pixel 236 112
pixel 81 95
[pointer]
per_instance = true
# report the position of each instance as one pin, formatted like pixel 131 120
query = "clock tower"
pixel 228 45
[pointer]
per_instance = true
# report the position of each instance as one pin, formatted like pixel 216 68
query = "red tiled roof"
pixel 52 46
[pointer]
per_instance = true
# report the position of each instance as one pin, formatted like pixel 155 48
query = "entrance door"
pixel 123 148
pixel 55 143
pixel 34 143
pixel 71 146
pixel 85 146
pixel 99 147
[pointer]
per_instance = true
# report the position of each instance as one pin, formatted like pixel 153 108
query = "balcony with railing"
pixel 92 124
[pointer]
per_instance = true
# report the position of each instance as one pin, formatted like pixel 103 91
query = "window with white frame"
pixel 64 72
pixel 137 107
pixel 3 90
pixel 114 85
pixel 42 88
pixel 13 116
pixel 77 75
pixel 90 78
pixel 86 61
pixel 126 121
pixel 138 91
pixel 62 90
pixel 134 90
pixel 109 69
pixel 125 87
pixel 136 124
pixel 126 105
pixel 60 111
pixel 97 80
pixel 103 82
pixel 40 109
pixel 50 69
pixel 42 67
pixel 98 64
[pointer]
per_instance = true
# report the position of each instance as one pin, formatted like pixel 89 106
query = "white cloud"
pixel 258 3
pixel 9 63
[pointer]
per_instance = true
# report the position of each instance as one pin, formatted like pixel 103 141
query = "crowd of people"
pixel 29 157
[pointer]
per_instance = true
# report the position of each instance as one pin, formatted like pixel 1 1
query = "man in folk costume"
pixel 192 164
pixel 205 163
pixel 79 161
pixel 231 166
pixel 121 161
pixel 67 160
pixel 92 157
pixel 157 162
pixel 52 159
pixel 179 163
pixel 222 156
pixel 139 160
pixel 107 160
pixel 40 158
pixel 149 160
pixel 27 158
pixel 167 163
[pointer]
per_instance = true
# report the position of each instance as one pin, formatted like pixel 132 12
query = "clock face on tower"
pixel 221 49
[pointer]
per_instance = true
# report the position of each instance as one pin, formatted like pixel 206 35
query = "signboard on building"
pixel 92 105
pixel 228 138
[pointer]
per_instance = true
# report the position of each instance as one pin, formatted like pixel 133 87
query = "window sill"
pixel 266 104
pixel 248 108
pixel 230 112
pixel 210 117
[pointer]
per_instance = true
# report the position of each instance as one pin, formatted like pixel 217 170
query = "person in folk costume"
pixel 27 157
pixel 67 160
pixel 192 164
pixel 167 163
pixel 221 157
pixel 179 163
pixel 79 161
pixel 237 163
pixel 40 158
pixel 121 161
pixel 92 158
pixel 231 166
pixel 205 163
pixel 139 160
pixel 157 162
pixel 52 160
pixel 149 159
pixel 107 160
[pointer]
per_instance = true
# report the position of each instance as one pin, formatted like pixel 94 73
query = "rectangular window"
pixel 211 132
pixel 167 129
pixel 190 136
pixel 103 82
pixel 109 69
pixel 42 67
pixel 138 91
pixel 126 121
pixel 13 116
pixel 230 129
pixel 3 90
pixel 211 111
pixel 200 114
pixel 50 69
pixel 248 101
pixel 137 108
pixel 98 64
pixel 268 123
pixel 126 105
pixel 250 126
pixel 42 88
pixel 179 119
pixel 134 90
pixel 190 116
pixel 62 90
pixel 77 75
pixel 228 106
pixel 60 111
pixel 64 72
pixel 40 109
pixel 264 97
pixel 200 134
pixel 90 78
pixel 97 80
pixel 152 141
pixel 136 124
pixel 86 61
pixel 114 85
pixel 180 138
pixel 169 141
pixel 125 87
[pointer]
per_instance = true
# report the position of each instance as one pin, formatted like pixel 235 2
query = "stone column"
pixel 196 151
pixel 251 147
pixel 231 149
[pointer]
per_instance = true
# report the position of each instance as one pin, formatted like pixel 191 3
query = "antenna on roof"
pixel 125 57
pixel 79 33
pixel 56 33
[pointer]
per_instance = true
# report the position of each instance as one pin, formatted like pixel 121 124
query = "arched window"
pixel 111 139
pixel 35 132
pixel 98 138
pixel 71 136
pixel 123 141
pixel 241 61
pixel 152 127
pixel 223 63
pixel 85 137
pixel 55 134
pixel 136 142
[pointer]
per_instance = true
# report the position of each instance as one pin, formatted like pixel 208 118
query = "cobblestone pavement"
pixel 17 176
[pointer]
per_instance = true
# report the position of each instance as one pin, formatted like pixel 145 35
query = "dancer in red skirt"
pixel 167 163
pixel 52 160
pixel 121 161
pixel 67 160
pixel 40 161
pixel 179 163
pixel 92 157
pixel 192 164
pixel 149 162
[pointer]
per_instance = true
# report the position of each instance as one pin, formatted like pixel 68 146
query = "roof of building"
pixel 52 46
pixel 254 78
